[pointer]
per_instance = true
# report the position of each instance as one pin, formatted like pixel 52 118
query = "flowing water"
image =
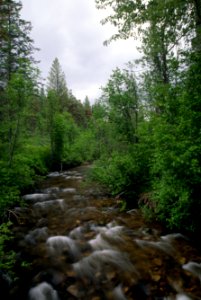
pixel 73 243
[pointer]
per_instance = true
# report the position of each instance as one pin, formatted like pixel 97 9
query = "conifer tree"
pixel 56 83
pixel 16 74
pixel 16 46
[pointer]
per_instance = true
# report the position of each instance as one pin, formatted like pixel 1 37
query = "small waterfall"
pixel 43 291
pixel 69 190
pixel 107 238
pixel 194 268
pixel 49 203
pixel 58 245
pixel 77 233
pixel 162 245
pixel 96 262
pixel 37 197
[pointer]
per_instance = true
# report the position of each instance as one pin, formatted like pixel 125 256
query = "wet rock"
pixel 37 235
pixel 77 233
pixel 79 198
pixel 42 222
pixel 45 205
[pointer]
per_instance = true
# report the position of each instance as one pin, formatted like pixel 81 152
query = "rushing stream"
pixel 77 245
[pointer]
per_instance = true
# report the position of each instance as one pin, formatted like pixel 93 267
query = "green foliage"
pixel 9 196
pixel 16 45
pixel 36 156
pixel 176 166
pixel 8 258
pixel 123 205
pixel 57 136
pixel 84 147
pixel 165 163
pixel 121 98
pixel 32 161
pixel 125 174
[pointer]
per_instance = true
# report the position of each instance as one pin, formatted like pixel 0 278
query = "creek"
pixel 75 244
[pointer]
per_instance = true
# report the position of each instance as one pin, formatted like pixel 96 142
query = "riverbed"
pixel 73 242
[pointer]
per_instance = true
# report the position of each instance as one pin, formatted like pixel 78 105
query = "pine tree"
pixel 64 101
pixel 16 46
pixel 56 82
pixel 16 75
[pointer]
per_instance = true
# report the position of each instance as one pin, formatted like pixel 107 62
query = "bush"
pixel 8 258
pixel 125 174
pixel 176 174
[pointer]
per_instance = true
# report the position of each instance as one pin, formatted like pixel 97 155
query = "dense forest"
pixel 143 134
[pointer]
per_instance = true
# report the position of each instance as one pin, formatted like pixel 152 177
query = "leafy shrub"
pixel 9 196
pixel 176 177
pixel 8 258
pixel 124 173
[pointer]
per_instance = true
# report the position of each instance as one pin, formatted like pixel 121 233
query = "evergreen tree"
pixel 87 107
pixel 16 46
pixel 17 75
pixel 56 82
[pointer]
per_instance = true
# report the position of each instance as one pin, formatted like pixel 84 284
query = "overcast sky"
pixel 71 31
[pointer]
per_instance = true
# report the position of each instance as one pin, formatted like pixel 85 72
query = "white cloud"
pixel 71 31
